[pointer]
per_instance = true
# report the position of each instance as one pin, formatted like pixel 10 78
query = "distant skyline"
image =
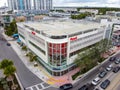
pixel 80 3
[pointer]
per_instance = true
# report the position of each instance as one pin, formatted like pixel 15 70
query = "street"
pixel 90 76
pixel 26 77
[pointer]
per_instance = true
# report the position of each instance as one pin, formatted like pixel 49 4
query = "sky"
pixel 79 3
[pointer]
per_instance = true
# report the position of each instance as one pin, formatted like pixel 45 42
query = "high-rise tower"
pixel 19 4
pixel 42 4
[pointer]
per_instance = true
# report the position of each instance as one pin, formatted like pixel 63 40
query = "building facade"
pixel 57 43
pixel 19 4
pixel 12 4
pixel 6 19
pixel 113 13
pixel 94 11
pixel 42 4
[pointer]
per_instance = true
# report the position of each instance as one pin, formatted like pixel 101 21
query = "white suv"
pixel 96 81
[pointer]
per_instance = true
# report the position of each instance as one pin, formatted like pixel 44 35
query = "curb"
pixel 19 82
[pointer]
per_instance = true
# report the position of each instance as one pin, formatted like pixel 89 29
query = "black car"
pixel 84 87
pixel 116 69
pixel 105 84
pixel 102 74
pixel 8 44
pixel 112 58
pixel 66 86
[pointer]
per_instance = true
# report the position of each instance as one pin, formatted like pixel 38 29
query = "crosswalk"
pixel 40 86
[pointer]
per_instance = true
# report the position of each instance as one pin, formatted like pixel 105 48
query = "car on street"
pixel 8 44
pixel 96 81
pixel 109 67
pixel 105 84
pixel 116 69
pixel 117 61
pixel 84 87
pixel 66 86
pixel 102 74
pixel 112 58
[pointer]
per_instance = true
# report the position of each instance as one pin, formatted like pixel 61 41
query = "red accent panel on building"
pixel 55 48
pixel 73 38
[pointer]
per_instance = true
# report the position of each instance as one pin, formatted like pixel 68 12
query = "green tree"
pixel 9 71
pixel 103 45
pixel 24 48
pixel 11 29
pixel 5 62
pixel 31 56
pixel 80 16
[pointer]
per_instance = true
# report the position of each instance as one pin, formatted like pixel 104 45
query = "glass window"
pixel 37 47
pixel 57 53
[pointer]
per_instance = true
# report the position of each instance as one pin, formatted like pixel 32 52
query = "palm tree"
pixel 32 57
pixel 24 48
pixel 29 54
pixel 9 71
pixel 5 62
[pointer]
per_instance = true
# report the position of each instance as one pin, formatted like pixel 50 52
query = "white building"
pixel 113 13
pixel 3 10
pixel 57 43
pixel 12 4
pixel 42 4
pixel 66 9
pixel 95 11
pixel 6 19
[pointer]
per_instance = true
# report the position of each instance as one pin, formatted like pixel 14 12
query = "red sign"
pixel 73 38
pixel 33 33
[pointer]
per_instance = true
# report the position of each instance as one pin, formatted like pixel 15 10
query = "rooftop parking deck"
pixel 62 27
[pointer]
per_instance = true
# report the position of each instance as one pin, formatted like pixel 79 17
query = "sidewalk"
pixel 107 54
pixel 39 71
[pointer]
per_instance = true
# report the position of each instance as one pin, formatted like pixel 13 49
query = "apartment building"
pixel 19 4
pixel 42 4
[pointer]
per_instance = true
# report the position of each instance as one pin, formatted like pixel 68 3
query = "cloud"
pixel 3 2
pixel 79 3
pixel 113 1
pixel 94 3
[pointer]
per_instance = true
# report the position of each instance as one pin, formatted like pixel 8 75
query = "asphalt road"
pixel 90 76
pixel 25 75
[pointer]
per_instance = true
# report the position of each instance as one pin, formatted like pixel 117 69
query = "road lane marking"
pixel 41 84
